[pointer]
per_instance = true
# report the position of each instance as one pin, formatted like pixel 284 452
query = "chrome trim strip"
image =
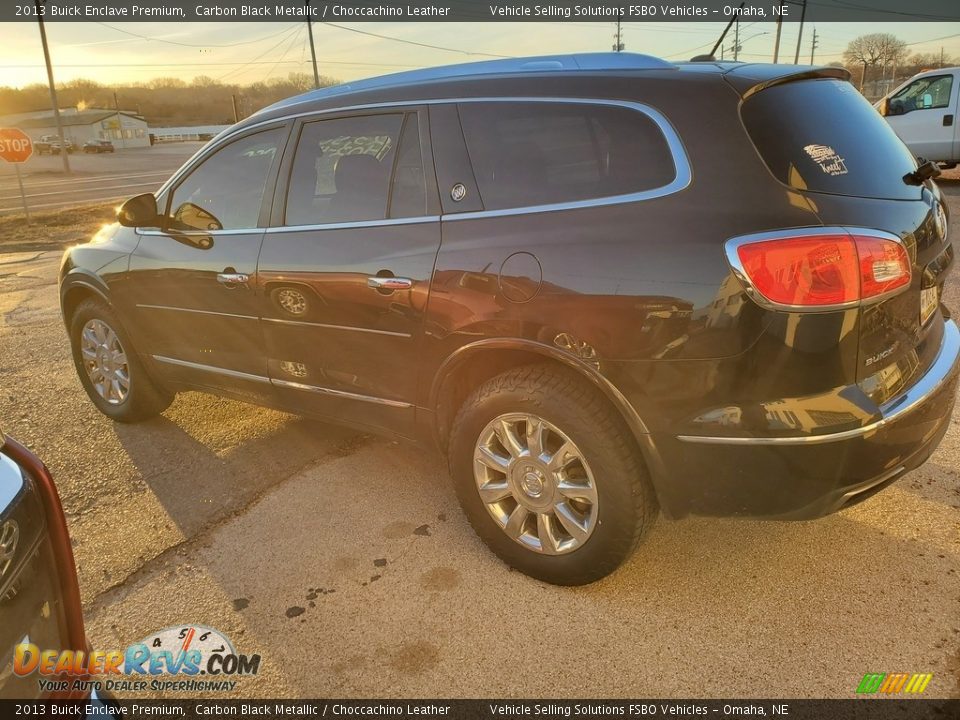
pixel 212 369
pixel 280 383
pixel 940 371
pixel 339 393
pixel 733 258
pixel 336 327
pixel 683 178
pixel 355 224
pixel 199 233
pixel 199 312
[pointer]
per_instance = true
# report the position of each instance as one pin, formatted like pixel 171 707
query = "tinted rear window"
pixel 823 136
pixel 538 153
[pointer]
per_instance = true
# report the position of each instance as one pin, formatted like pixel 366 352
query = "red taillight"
pixel 822 270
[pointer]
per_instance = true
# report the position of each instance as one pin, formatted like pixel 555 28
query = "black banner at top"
pixel 935 11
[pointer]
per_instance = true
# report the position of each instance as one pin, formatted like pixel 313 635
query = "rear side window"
pixel 342 170
pixel 539 153
pixel 823 136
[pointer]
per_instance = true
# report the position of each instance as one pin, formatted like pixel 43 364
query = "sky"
pixel 248 52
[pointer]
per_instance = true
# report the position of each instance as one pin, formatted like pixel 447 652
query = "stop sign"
pixel 15 145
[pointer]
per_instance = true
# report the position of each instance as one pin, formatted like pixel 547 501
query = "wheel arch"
pixel 477 362
pixel 77 287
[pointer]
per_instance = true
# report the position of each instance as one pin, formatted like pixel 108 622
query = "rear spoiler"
pixel 750 79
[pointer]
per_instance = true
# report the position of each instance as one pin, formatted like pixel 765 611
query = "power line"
pixel 293 42
pixel 945 37
pixel 411 42
pixel 205 45
pixel 291 30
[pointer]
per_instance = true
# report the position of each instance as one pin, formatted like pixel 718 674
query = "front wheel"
pixel 549 475
pixel 109 368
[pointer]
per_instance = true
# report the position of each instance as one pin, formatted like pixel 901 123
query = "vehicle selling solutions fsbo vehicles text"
pixel 568 11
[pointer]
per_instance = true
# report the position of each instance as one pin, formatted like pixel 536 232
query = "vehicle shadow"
pixel 207 457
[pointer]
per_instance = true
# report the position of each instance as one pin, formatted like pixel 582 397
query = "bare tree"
pixel 918 62
pixel 875 49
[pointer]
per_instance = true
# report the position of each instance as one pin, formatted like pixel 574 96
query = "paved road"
pixel 94 178
pixel 345 562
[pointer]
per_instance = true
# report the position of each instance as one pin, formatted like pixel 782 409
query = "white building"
pixel 123 128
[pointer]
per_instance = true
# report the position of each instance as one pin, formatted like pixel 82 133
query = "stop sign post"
pixel 16 147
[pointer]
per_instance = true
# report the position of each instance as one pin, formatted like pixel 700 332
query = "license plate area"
pixel 929 301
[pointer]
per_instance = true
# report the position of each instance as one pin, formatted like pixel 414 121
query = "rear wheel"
pixel 549 475
pixel 109 368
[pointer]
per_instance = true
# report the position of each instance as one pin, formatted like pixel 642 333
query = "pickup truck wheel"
pixel 549 476
pixel 109 368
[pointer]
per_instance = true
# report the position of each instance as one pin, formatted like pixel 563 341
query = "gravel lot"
pixel 344 561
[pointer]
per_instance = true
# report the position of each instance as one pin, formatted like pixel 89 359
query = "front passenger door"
pixel 923 114
pixel 191 285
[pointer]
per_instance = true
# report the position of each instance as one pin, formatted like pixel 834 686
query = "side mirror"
pixel 927 101
pixel 884 107
pixel 139 211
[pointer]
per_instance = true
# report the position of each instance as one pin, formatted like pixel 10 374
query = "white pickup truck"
pixel 923 112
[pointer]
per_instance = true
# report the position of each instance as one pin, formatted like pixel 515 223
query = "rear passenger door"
pixel 345 267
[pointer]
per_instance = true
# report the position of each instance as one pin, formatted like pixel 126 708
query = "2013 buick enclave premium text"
pixel 604 284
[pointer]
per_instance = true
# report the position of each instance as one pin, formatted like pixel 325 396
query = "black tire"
pixel 145 398
pixel 626 503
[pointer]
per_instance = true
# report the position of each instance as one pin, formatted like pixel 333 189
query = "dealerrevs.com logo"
pixel 182 658
pixel 894 683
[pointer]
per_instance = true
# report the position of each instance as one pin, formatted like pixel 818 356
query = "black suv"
pixel 604 284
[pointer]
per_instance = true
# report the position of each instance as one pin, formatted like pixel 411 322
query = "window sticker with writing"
pixel 827 158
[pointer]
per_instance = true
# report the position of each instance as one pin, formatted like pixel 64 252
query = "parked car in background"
pixel 595 303
pixel 39 594
pixel 50 145
pixel 923 112
pixel 98 146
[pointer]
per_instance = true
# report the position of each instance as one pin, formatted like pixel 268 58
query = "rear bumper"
pixel 808 476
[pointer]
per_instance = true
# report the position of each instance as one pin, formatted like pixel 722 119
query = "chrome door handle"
pixel 232 279
pixel 389 283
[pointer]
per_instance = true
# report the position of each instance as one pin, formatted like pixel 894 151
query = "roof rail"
pixel 544 64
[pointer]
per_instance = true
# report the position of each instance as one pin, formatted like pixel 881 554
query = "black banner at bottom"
pixel 853 709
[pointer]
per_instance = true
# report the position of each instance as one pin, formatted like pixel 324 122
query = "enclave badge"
pixel 9 536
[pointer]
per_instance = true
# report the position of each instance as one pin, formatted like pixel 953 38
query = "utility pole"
pixel 776 43
pixel 53 90
pixel 116 105
pixel 236 115
pixel 803 14
pixel 941 56
pixel 618 44
pixel 813 44
pixel 723 35
pixel 313 50
pixel 736 40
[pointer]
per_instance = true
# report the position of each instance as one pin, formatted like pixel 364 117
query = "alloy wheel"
pixel 535 483
pixel 105 361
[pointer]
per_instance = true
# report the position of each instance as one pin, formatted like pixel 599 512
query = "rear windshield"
pixel 823 136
